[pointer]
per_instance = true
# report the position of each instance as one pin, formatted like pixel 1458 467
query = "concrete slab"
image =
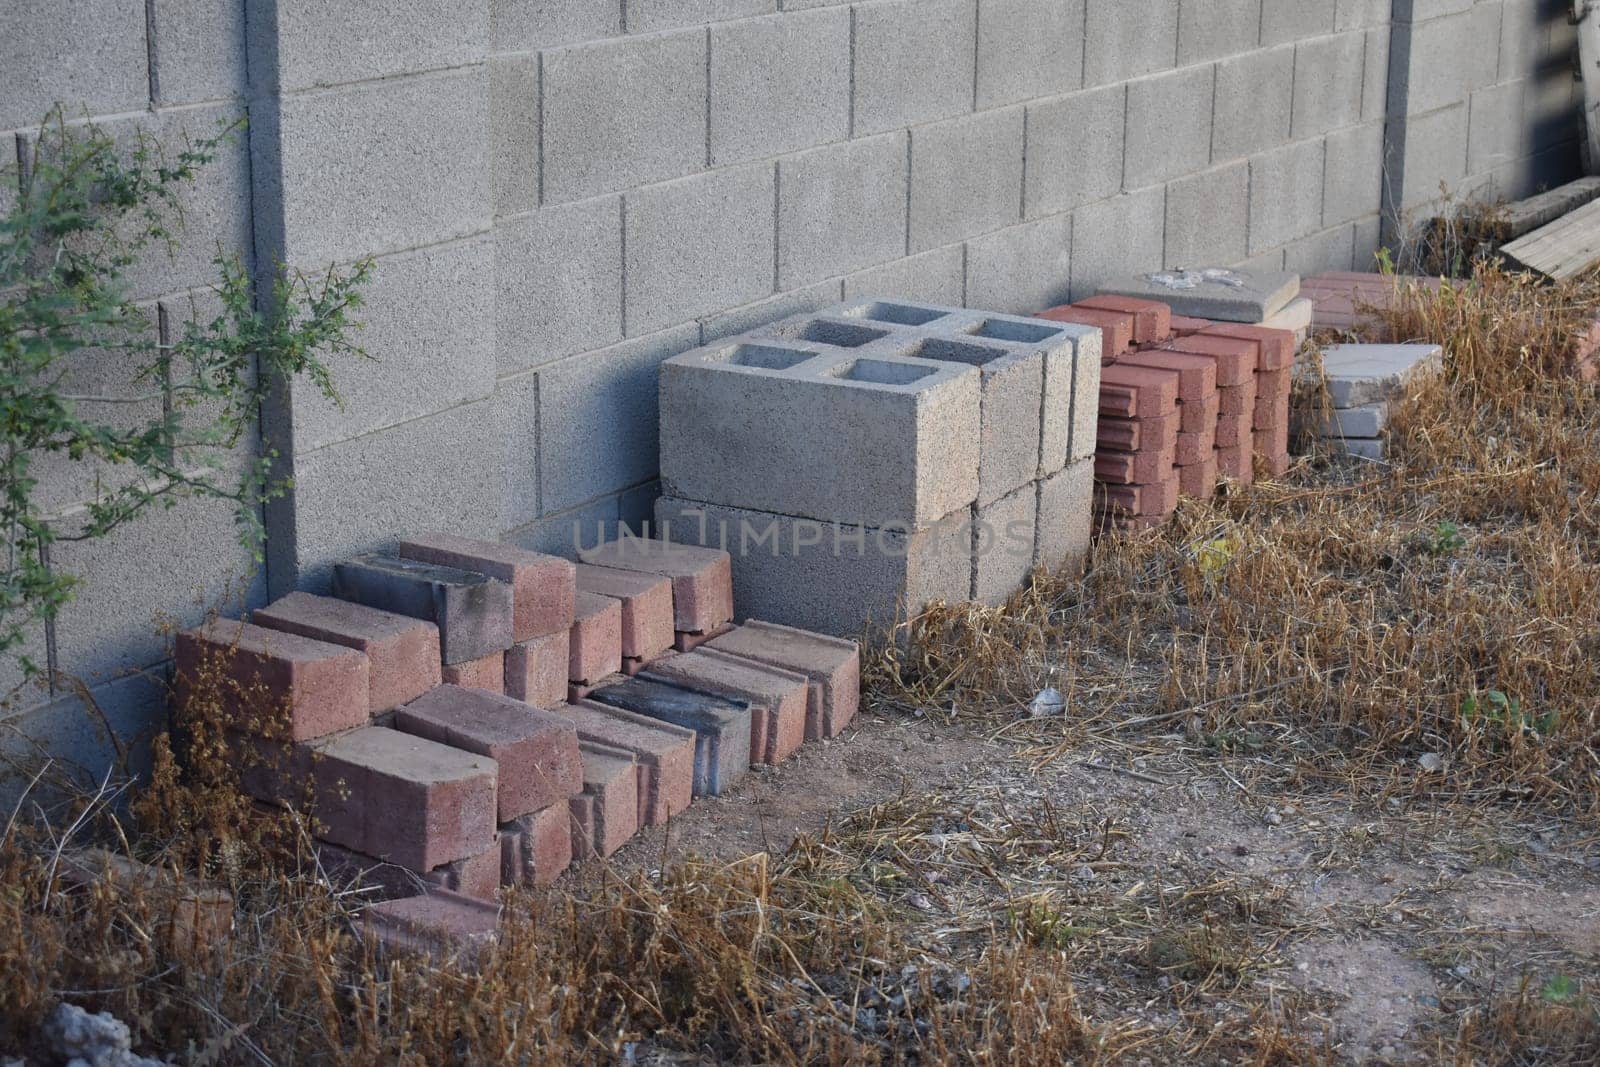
pixel 1213 293
pixel 1367 374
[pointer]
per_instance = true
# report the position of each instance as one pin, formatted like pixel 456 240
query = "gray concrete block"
pixel 636 508
pixel 1524 38
pixel 1065 519
pixel 1358 375
pixel 473 611
pixel 1208 216
pixel 1369 238
pixel 1169 126
pixel 1294 20
pixel 935 277
pixel 721 725
pixel 1361 14
pixel 966 177
pixel 1332 249
pixel 1075 149
pixel 1368 420
pixel 598 417
pixel 569 532
pixel 530 25
pixel 1124 44
pixel 1021 269
pixel 841 208
pixel 1122 235
pixel 764 312
pixel 418 305
pixel 440 471
pixel 818 433
pixel 1551 116
pixel 76 740
pixel 416 150
pixel 1085 418
pixel 168 568
pixel 1353 177
pixel 1418 10
pixel 1285 194
pixel 1495 133
pixel 1012 395
pixel 622 113
pixel 698 245
pixel 514 133
pixel 1328 77
pixel 779 84
pixel 322 44
pixel 18 689
pixel 198 50
pixel 834 579
pixel 90 56
pixel 1223 295
pixel 1028 49
pixel 652 16
pixel 558 283
pixel 514 413
pixel 1271 262
pixel 1434 152
pixel 1433 70
pixel 1002 545
pixel 1375 81
pixel 913 62
pixel 1254 100
pixel 1211 29
pixel 1363 447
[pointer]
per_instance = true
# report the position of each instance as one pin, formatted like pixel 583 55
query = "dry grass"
pixel 1311 637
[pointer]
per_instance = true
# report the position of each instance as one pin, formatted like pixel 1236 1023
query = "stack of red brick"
pixel 1182 401
pixel 464 715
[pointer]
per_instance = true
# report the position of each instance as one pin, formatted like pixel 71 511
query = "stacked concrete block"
pixel 865 460
pixel 1360 382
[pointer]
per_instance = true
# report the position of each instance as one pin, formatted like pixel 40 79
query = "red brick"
pixel 1152 320
pixel 1236 463
pixel 831 664
pixel 485 672
pixel 1199 416
pixel 1195 447
pixel 403 799
pixel 1132 435
pixel 1271 441
pixel 596 649
pixel 276 684
pixel 1128 468
pixel 665 754
pixel 1115 519
pixel 402 652
pixel 1274 348
pixel 439 923
pixel 777 697
pixel 1197 375
pixel 1116 328
pixel 580 813
pixel 646 607
pixel 1233 431
pixel 1183 325
pixel 1199 480
pixel 687 642
pixel 1237 400
pixel 536 670
pixel 536 751
pixel 477 876
pixel 1144 392
pixel 1158 498
pixel 702 578
pixel 1277 464
pixel 1236 359
pixel 611 777
pixel 1274 383
pixel 541 586
pixel 1270 412
pixel 536 848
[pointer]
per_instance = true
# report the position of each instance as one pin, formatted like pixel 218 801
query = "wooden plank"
pixel 1562 249
pixel 1541 210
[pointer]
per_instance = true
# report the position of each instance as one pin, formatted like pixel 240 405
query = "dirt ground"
pixel 1378 921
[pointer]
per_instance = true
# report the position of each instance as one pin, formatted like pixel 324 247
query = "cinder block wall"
pixel 559 194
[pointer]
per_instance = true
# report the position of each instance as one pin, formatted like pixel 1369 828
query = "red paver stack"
pixel 1182 402
pixel 1348 301
pixel 426 732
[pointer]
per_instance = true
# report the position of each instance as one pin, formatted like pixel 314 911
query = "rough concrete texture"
pixel 779 84
pixel 826 424
pixel 1367 374
pixel 1213 292
pixel 721 726
pixel 473 612
pixel 1064 520
pixel 536 670
pixel 1368 420
pixel 1003 544
pixel 825 576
